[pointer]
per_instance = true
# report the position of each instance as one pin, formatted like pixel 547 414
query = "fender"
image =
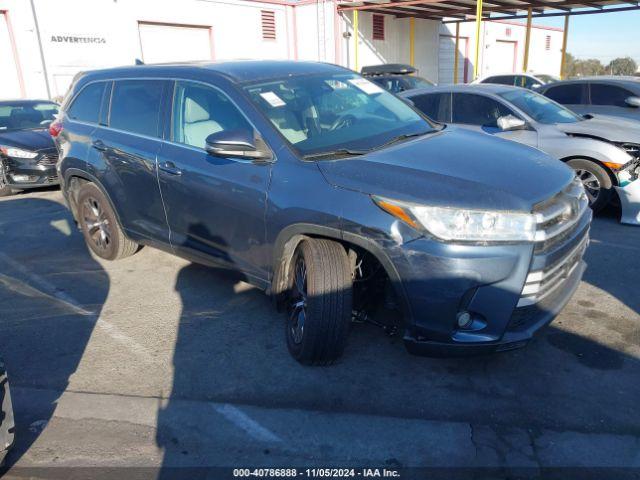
pixel 599 150
pixel 289 238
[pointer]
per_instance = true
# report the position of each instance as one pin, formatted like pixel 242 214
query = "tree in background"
pixel 622 66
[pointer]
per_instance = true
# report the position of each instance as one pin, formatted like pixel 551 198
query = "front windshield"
pixel 540 108
pixel 325 113
pixel 546 78
pixel 26 116
pixel 418 82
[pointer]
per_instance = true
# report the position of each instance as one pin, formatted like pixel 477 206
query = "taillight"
pixel 55 128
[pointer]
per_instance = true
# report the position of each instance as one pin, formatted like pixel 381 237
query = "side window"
pixel 602 94
pixel 566 94
pixel 477 110
pixel 436 106
pixel 199 111
pixel 86 106
pixel 135 106
pixel 501 79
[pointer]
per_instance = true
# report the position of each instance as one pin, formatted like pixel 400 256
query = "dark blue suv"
pixel 337 198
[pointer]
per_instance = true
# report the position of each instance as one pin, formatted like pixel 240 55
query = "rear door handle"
pixel 170 168
pixel 99 145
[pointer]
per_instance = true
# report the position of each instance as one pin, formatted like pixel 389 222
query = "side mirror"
pixel 633 101
pixel 509 122
pixel 239 143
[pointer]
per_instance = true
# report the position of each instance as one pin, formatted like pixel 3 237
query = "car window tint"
pixel 478 110
pixel 86 106
pixel 427 104
pixel 135 106
pixel 501 79
pixel 602 94
pixel 566 94
pixel 526 82
pixel 199 111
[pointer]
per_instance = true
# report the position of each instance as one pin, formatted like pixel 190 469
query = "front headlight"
pixel 18 152
pixel 464 225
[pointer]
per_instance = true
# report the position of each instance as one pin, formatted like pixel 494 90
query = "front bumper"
pixel 23 173
pixel 630 202
pixel 6 415
pixel 510 291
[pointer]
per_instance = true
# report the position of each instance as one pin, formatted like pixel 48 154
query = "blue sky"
pixel 602 36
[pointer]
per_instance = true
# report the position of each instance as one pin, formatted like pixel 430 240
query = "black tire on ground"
pixel 100 227
pixel 5 190
pixel 322 300
pixel 596 181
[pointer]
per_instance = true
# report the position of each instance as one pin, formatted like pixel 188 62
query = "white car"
pixel 532 81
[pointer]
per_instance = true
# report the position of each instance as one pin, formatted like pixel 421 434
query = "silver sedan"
pixel 599 149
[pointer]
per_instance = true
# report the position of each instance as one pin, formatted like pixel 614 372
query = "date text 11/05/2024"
pixel 316 472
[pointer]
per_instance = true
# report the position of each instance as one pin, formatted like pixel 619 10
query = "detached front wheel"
pixel 320 302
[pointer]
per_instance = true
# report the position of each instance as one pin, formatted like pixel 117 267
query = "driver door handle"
pixel 99 145
pixel 170 168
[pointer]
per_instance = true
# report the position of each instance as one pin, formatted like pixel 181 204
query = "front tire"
pixel 5 189
pixel 596 180
pixel 100 227
pixel 320 302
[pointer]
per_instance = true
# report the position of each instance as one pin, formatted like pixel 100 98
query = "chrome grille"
pixel 558 216
pixel 557 220
pixel 48 160
pixel 541 283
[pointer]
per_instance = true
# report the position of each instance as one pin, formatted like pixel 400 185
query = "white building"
pixel 44 43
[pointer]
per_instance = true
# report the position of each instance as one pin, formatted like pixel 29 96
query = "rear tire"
pixel 320 302
pixel 99 225
pixel 596 181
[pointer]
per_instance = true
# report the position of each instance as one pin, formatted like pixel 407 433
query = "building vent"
pixel 268 24
pixel 378 27
pixel 547 43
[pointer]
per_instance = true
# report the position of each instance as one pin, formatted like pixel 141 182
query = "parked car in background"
pixel 594 147
pixel 395 77
pixel 7 425
pixel 532 81
pixel 330 193
pixel 27 154
pixel 605 95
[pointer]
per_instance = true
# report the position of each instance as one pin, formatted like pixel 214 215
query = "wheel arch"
pixel 614 178
pixel 290 237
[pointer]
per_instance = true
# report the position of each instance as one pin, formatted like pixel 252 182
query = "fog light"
pixel 22 178
pixel 464 319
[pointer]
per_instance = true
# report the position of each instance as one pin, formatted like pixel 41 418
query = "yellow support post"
pixel 355 39
pixel 563 67
pixel 456 54
pixel 412 41
pixel 478 22
pixel 527 42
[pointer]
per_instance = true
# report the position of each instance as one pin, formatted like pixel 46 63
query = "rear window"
pixel 86 106
pixel 135 106
pixel 602 94
pixel 436 106
pixel 27 116
pixel 500 79
pixel 566 94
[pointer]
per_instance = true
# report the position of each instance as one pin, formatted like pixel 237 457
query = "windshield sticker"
pixel 273 99
pixel 365 85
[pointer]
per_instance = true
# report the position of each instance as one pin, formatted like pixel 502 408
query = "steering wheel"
pixel 343 121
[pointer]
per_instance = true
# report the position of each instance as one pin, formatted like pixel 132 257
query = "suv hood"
pixel 33 140
pixel 454 167
pixel 603 127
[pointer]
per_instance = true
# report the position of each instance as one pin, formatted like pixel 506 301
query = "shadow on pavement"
pixel 51 292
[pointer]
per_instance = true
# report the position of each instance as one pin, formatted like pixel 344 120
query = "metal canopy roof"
pixel 465 10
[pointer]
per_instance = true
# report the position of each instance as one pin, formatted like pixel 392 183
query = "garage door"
pixel 9 79
pixel 501 57
pixel 174 43
pixel 446 59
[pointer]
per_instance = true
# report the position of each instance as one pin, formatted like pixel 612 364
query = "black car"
pixel 27 154
pixel 6 415
pixel 331 194
pixel 395 77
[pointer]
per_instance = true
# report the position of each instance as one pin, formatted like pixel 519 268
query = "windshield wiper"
pixel 343 152
pixel 400 138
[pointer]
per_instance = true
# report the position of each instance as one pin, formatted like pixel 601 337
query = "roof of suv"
pixel 239 71
pixel 465 88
